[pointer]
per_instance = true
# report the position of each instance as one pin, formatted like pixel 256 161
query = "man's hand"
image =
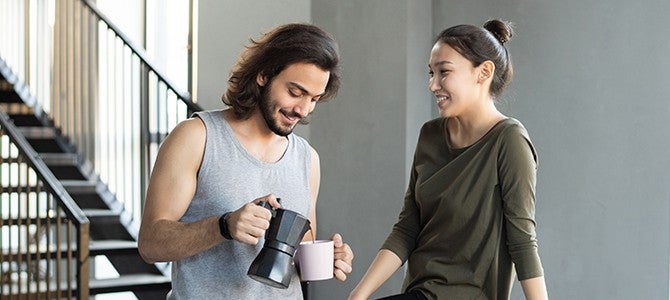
pixel 249 222
pixel 343 257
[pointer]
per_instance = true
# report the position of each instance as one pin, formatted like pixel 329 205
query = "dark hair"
pixel 271 54
pixel 479 44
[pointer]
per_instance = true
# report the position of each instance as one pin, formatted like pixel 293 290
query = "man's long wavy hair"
pixel 271 54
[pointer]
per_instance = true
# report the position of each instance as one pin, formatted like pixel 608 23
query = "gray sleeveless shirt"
pixel 230 177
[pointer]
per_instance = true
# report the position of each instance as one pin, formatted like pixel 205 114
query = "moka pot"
pixel 274 264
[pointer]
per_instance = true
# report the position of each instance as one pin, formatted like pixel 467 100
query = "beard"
pixel 268 109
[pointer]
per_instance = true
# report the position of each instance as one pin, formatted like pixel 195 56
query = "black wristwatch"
pixel 223 226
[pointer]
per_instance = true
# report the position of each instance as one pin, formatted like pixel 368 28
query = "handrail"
pixel 35 161
pixel 183 96
pixel 37 164
pixel 75 283
pixel 97 86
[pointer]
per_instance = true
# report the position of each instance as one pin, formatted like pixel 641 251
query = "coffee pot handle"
pixel 267 205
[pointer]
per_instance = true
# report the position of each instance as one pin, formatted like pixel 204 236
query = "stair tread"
pixel 61 159
pixel 23 118
pixel 78 182
pixel 79 185
pixel 112 245
pixel 37 132
pixel 142 281
pixel 93 212
pixel 99 247
pixel 15 108
pixel 139 282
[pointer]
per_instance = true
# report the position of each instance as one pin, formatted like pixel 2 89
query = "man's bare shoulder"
pixel 190 132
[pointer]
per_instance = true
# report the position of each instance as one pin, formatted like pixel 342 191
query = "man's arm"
pixel 171 188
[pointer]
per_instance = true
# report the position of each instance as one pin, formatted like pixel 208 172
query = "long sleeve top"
pixel 469 214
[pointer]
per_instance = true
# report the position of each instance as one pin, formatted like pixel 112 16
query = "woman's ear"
pixel 486 70
pixel 261 79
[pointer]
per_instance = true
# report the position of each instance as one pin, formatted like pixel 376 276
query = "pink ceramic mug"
pixel 315 260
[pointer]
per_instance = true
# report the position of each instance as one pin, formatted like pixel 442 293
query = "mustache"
pixel 304 120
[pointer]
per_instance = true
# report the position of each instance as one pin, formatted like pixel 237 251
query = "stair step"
pixel 100 214
pixel 80 186
pixel 9 97
pixel 61 159
pixel 65 165
pixel 124 283
pixel 106 224
pixel 7 93
pixel 112 247
pixel 37 132
pixel 49 146
pixel 16 108
pixel 44 139
pixel 106 247
pixel 68 166
pixel 89 194
pixel 130 282
pixel 104 216
pixel 21 120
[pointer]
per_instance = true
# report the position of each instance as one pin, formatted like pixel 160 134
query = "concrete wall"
pixel 224 28
pixel 366 136
pixel 590 85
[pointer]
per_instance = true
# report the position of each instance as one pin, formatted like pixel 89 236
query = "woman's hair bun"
pixel 502 30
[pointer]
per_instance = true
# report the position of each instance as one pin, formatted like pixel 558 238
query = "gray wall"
pixel 224 28
pixel 590 85
pixel 368 133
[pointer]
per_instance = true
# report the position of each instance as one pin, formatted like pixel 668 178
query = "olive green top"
pixel 469 214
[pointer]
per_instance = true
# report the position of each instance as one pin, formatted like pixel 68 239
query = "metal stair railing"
pixel 37 216
pixel 100 89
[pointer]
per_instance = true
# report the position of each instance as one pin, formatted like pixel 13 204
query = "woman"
pixel 468 215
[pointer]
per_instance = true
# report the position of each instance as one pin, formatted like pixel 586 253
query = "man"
pixel 213 170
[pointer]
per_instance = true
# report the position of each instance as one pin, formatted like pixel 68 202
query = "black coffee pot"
pixel 274 264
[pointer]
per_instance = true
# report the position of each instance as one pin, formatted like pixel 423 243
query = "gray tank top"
pixel 230 177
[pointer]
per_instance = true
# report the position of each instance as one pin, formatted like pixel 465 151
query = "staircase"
pixel 109 109
pixel 112 232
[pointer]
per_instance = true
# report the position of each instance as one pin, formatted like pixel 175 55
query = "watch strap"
pixel 223 226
